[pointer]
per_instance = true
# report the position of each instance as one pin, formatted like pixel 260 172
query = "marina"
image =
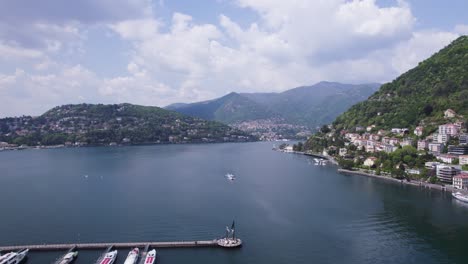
pixel 175 244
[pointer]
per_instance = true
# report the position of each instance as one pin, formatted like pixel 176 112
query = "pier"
pixel 91 246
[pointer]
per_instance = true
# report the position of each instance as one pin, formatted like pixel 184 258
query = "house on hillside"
pixel 418 131
pixel 440 138
pixel 423 144
pixel 435 148
pixel 449 129
pixel 463 139
pixel 406 142
pixel 449 113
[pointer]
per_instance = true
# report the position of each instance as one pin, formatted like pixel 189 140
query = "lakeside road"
pixel 420 184
pixel 413 183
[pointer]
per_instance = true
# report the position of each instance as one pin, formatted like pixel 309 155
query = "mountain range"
pixel 303 107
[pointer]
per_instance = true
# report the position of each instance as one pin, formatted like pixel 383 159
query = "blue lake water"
pixel 286 209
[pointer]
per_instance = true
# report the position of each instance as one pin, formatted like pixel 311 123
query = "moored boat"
pixel 14 257
pixel 460 196
pixel 108 257
pixel 132 256
pixel 69 257
pixel 150 257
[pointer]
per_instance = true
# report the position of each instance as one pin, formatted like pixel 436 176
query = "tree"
pixel 455 161
pixel 346 164
pixel 325 129
pixel 428 109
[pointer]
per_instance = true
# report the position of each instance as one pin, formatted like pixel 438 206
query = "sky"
pixel 158 52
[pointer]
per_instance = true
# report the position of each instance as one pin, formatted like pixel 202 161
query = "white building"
pixel 288 148
pixel 418 131
pixel 460 181
pixel 449 113
pixel 446 158
pixel 342 152
pixel 369 162
pixel 440 138
pixel 463 159
pixel 449 129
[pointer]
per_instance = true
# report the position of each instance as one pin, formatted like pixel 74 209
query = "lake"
pixel 287 210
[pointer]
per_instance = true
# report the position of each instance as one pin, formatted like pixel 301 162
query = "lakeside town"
pixel 426 154
pixel 119 124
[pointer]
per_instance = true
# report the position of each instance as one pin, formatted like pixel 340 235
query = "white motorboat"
pixel 460 196
pixel 14 257
pixel 150 257
pixel 230 176
pixel 109 257
pixel 132 256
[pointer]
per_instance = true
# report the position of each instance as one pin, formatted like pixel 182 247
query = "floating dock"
pixel 176 244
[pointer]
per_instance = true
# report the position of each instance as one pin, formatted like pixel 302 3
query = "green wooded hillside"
pixel 421 94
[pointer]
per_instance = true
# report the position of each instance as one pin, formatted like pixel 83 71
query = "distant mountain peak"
pixel 304 106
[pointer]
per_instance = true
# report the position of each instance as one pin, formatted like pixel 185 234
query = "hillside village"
pixel 423 153
pixel 81 125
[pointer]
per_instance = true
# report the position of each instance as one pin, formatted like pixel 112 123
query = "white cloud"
pixel 292 43
pixel 10 51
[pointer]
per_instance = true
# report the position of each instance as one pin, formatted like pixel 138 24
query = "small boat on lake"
pixel 461 197
pixel 230 176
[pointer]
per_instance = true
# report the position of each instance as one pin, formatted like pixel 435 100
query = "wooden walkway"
pixel 50 247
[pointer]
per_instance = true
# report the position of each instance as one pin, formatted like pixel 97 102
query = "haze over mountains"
pixel 299 110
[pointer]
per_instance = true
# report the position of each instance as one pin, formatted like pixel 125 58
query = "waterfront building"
pixel 413 171
pixel 458 150
pixel 445 173
pixel 460 181
pixel 369 162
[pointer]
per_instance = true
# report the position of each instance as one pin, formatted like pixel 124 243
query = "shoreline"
pixel 118 145
pixel 424 185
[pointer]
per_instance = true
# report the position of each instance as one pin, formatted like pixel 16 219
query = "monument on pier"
pixel 230 240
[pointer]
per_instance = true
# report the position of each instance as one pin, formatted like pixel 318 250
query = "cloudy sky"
pixel 158 52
